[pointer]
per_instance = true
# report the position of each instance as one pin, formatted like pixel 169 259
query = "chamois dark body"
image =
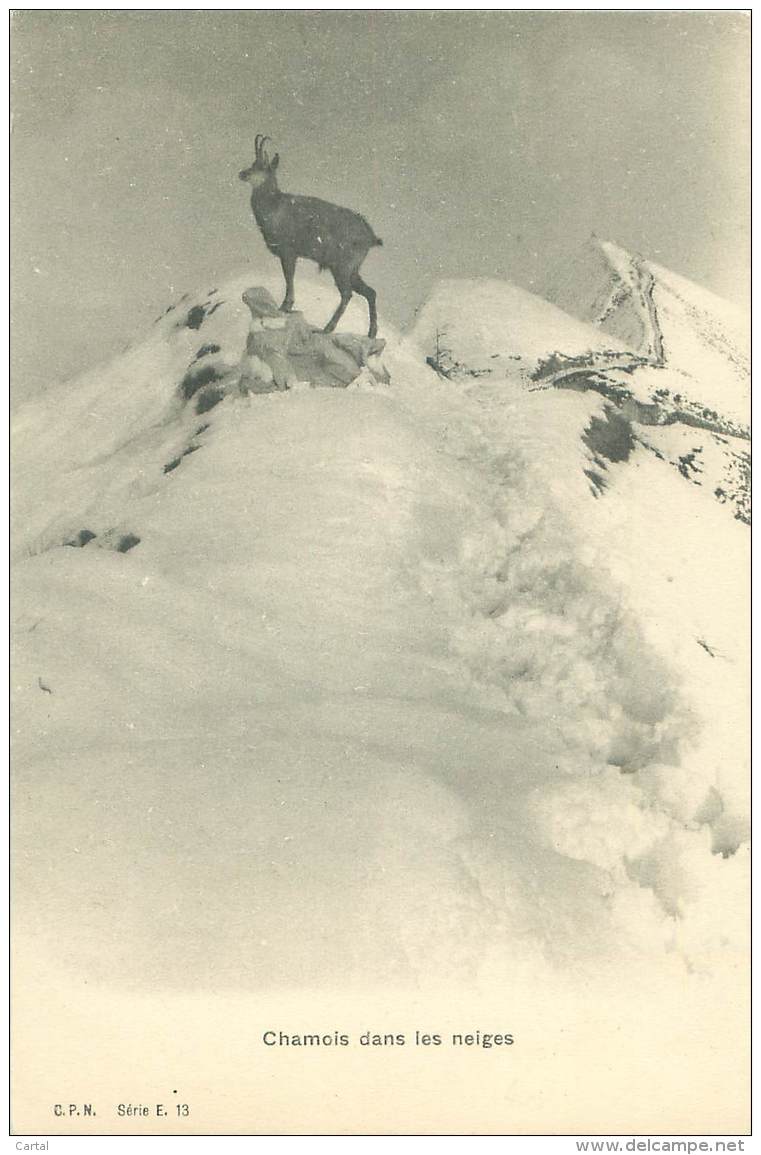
pixel 298 226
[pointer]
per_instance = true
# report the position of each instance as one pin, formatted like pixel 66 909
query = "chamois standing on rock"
pixel 297 226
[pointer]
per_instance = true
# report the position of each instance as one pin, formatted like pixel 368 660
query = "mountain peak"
pixel 663 317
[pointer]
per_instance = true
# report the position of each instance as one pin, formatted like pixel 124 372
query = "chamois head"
pixel 263 168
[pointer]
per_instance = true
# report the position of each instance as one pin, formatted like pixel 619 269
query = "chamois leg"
pixel 364 290
pixel 289 268
pixel 344 287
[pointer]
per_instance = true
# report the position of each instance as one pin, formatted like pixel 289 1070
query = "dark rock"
pixel 197 377
pixel 127 542
pixel 208 398
pixel 195 317
pixel 206 350
pixel 610 437
pixel 81 538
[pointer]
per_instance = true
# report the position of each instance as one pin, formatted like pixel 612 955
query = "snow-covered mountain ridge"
pixel 665 318
pixel 443 671
pixel 670 357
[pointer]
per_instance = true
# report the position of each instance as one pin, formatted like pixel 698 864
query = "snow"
pixel 382 666
pixel 700 342
pixel 485 321
pixel 706 339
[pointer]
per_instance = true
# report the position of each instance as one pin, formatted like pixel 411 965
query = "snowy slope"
pixel 114 425
pixel 384 664
pixel 493 326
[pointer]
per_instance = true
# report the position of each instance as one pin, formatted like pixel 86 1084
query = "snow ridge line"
pixel 646 285
pixel 591 374
pixel 632 277
pixel 618 294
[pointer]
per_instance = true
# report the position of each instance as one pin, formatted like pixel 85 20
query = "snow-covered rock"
pixel 282 350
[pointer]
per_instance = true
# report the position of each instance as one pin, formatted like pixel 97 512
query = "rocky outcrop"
pixel 283 350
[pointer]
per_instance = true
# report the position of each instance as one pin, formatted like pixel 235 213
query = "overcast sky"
pixel 476 143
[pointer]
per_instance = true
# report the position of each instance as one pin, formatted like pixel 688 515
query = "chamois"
pixel 298 226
